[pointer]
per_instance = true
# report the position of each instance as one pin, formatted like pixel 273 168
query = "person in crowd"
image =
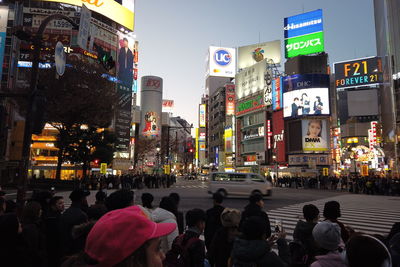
pixel 33 236
pixel 394 230
pixel 43 198
pixel 253 249
pixel 123 238
pixel 119 199
pixel 191 247
pixel 51 223
pixel 222 243
pixel 12 251
pixel 332 213
pixel 147 202
pixel 99 208
pixel 11 206
pixel 255 208
pixel 72 216
pixel 213 222
pixel 3 206
pixel 367 251
pixel 179 215
pixel 164 214
pixel 394 245
pixel 327 236
pixel 303 230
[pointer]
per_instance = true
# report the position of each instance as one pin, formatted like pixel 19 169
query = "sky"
pixel 174 37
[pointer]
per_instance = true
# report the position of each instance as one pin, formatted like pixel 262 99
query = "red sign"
pixel 251 158
pixel 230 99
pixel 278 136
pixel 277 94
pixel 269 134
pixel 168 103
pixel 153 83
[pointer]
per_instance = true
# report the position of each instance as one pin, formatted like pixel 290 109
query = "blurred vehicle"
pixel 202 177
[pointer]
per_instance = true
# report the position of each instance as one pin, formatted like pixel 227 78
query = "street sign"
pixel 59 58
pixel 84 27
pixel 167 169
pixel 325 171
pixel 103 168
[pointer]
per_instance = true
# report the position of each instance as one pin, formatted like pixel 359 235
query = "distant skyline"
pixel 174 37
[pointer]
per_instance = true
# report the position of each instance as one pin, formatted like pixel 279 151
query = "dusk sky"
pixel 174 37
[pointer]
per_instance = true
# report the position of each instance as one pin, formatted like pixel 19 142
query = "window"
pixel 220 177
pixel 237 177
pixel 257 178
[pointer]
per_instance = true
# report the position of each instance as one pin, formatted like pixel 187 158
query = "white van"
pixel 235 183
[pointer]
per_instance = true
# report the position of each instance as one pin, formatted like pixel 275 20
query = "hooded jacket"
pixel 332 259
pixel 160 215
pixel 249 253
pixel 303 233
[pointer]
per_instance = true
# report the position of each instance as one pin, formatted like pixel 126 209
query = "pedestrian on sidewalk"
pixel 255 208
pixel 213 221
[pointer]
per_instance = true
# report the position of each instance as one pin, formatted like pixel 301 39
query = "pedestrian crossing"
pixel 363 213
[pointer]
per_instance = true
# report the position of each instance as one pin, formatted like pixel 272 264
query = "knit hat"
pixel 327 235
pixel 230 217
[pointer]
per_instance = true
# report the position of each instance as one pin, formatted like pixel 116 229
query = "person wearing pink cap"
pixel 123 238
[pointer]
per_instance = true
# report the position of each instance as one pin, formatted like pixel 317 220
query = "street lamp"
pixel 158 157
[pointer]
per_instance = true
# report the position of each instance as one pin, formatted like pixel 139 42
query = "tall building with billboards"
pixel 387 27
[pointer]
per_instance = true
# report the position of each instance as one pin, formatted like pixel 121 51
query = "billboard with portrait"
pixel 251 54
pixel 315 135
pixel 125 63
pixel 306 102
pixel 221 62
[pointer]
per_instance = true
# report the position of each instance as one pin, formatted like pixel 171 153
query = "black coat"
pixel 255 210
pixel 213 223
pixel 221 246
pixel 52 225
pixel 196 251
pixel 35 242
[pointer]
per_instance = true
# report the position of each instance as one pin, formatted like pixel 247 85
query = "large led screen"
pixel 306 102
pixel 315 135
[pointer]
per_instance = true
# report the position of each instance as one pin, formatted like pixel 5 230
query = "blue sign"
pixel 303 24
pixel 222 57
pixel 304 81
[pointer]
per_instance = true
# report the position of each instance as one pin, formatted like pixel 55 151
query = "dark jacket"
pixel 221 246
pixel 303 233
pixel 52 225
pixel 180 221
pixel 258 253
pixel 35 242
pixel 71 217
pixel 196 251
pixel 213 223
pixel 255 210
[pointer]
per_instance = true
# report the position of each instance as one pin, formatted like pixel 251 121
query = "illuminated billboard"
pixel 277 99
pixel 228 134
pixel 251 80
pixel 306 102
pixel 304 45
pixel 251 54
pixel 314 135
pixel 108 8
pixel 221 62
pixel 202 115
pixel 303 81
pixel 358 72
pixel 230 99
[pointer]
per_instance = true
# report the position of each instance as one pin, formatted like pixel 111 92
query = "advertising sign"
pixel 253 133
pixel 230 99
pixel 303 24
pixel 108 8
pixel 304 45
pixel 228 140
pixel 84 27
pixel 251 54
pixel 221 62
pixel 305 102
pixel 251 80
pixel 278 136
pixel 125 63
pixel 167 103
pixel 307 159
pixel 202 115
pixel 303 81
pixel 3 29
pixel 277 100
pixel 315 135
pixel 363 71
pixel 103 168
pixel 248 105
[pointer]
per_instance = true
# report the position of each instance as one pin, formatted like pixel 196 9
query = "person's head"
pixel 125 42
pixel 31 212
pixel 327 235
pixel 100 196
pixel 314 128
pixel 230 218
pixel 311 213
pixel 256 199
pixel 196 218
pixel 367 251
pixel 176 197
pixel 78 196
pixel 296 100
pixel 119 199
pixel 332 210
pixel 168 204
pixel 304 96
pixel 125 237
pixel 218 198
pixel 57 203
pixel 147 200
pixel 318 98
pixel 254 228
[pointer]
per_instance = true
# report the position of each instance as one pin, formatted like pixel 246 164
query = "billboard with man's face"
pixel 315 135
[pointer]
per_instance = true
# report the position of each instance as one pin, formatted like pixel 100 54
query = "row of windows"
pixel 255 118
pixel 257 145
pixel 235 177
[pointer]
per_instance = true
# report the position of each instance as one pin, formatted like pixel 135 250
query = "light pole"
pixel 158 157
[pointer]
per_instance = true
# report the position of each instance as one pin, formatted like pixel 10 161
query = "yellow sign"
pixel 325 171
pixel 103 168
pixel 167 169
pixel 108 8
pixel 364 170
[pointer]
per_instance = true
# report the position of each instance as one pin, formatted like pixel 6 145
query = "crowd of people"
pixel 116 231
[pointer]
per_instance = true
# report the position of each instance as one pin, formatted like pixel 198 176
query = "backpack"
pixel 178 255
pixel 298 254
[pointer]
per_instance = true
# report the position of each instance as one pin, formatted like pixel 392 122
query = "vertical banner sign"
pixel 269 134
pixel 103 168
pixel 3 29
pixel 202 115
pixel 228 140
pixel 277 93
pixel 197 144
pixel 230 99
pixel 364 170
pixel 84 27
pixel 372 135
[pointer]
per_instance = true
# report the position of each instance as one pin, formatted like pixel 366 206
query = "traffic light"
pixel 104 58
pixel 38 110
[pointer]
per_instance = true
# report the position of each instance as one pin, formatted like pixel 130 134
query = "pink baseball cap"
pixel 120 232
